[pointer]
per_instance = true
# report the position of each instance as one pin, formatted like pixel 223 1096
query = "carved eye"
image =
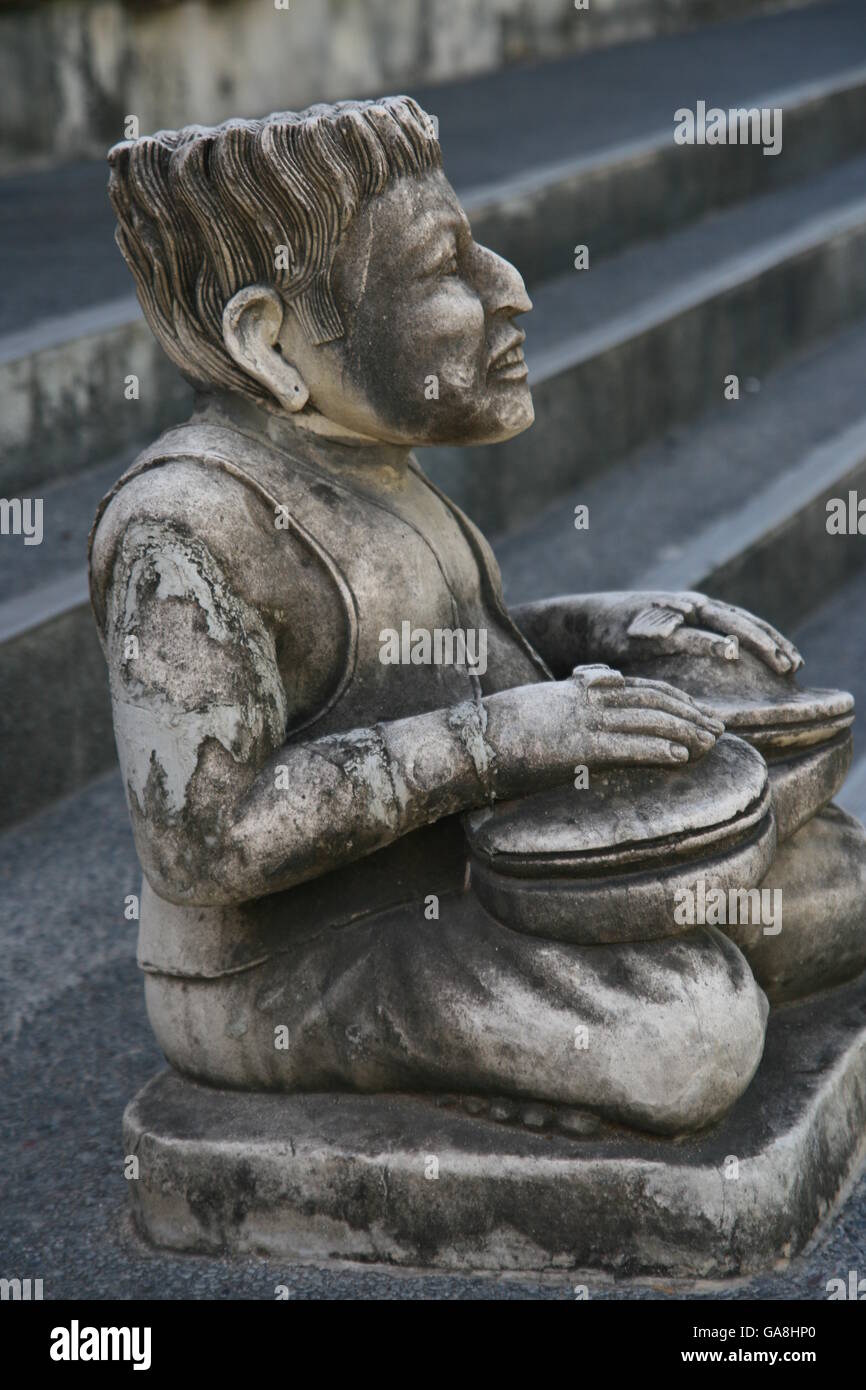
pixel 450 267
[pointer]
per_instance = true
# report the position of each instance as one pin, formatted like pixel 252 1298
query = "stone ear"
pixel 252 321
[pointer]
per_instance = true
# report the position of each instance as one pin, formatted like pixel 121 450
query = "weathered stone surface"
pixel 607 863
pixel 663 1035
pixel 804 781
pixel 321 1177
pixel 244 571
pixel 821 871
pixel 274 583
pixel 803 733
pixel 756 699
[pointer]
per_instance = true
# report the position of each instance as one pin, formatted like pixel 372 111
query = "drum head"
pixel 605 863
pixel 768 710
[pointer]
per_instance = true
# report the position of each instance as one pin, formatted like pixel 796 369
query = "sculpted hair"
pixel 202 212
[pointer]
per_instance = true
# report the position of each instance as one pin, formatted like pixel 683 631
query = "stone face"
pixel 320 1177
pixel 380 860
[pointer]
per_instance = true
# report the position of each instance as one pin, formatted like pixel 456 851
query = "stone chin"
pixel 516 411
pixel 506 409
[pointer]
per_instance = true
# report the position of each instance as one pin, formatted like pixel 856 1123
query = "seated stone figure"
pixel 309 919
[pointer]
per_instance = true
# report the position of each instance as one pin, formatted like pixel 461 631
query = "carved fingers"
pixel 753 633
pixel 691 622
pixel 642 721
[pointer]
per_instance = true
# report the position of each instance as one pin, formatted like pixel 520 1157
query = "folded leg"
pixel 660 1035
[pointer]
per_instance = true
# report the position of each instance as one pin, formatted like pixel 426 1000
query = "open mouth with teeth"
pixel 510 365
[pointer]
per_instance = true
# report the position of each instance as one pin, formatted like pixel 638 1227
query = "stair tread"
pixel 56 226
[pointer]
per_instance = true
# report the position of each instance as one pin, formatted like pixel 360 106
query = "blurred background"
pixel 701 264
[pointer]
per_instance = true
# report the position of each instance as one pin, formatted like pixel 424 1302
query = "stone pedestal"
pixel 351 1177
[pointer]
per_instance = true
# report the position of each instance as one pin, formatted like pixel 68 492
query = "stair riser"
pixel 797 566
pixel 63 408
pixel 55 715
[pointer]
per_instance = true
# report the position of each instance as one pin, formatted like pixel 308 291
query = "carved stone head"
pixel 319 263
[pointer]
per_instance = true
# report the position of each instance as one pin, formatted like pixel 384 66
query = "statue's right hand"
pixel 597 717
pixel 632 720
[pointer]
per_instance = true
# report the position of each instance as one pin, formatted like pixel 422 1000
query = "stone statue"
pixel 448 877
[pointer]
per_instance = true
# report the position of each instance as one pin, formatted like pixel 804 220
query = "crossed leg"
pixel 662 1036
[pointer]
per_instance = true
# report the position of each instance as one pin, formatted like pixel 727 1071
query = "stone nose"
pixel 500 284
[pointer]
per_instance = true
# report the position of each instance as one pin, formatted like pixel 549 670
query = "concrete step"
pixel 68 509
pixel 546 157
pixel 55 722
pixel 63 402
pixel 648 185
pixel 643 342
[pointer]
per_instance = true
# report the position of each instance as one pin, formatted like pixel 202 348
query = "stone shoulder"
pixel 185 495
pixel 261 565
pixel 216 510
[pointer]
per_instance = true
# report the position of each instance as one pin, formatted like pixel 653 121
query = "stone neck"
pixel 376 465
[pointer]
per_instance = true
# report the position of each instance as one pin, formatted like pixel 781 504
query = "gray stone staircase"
pixel 703 262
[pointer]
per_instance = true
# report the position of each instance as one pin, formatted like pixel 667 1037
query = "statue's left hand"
pixel 662 623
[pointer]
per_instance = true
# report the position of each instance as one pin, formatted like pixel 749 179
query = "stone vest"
pixel 383 570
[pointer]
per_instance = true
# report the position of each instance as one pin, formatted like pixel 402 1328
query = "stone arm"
pixel 625 627
pixel 224 809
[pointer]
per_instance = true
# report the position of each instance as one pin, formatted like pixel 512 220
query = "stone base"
pixel 319 1177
